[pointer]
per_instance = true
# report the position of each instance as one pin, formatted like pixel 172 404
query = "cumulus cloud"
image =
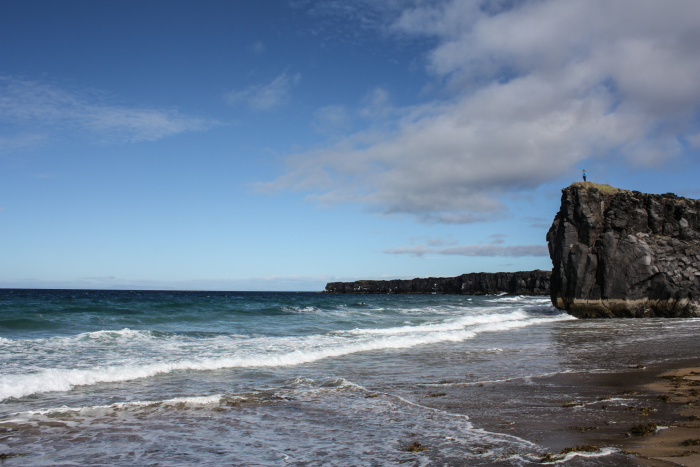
pixel 268 96
pixel 533 88
pixel 34 112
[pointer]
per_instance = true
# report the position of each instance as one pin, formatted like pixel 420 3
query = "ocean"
pixel 91 377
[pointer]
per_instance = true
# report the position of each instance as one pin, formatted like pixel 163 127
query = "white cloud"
pixel 265 96
pixel 33 113
pixel 534 89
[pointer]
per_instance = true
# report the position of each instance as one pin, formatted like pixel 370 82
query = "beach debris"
pixel 583 429
pixel 583 448
pixel 644 430
pixel 415 447
pixel 550 457
pixel 676 380
pixel 691 442
pixel 572 404
pixel 481 450
pixel 437 394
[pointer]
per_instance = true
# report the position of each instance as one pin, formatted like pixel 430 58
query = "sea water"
pixel 228 378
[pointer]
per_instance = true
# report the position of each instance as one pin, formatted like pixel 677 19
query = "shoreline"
pixel 594 411
pixel 678 444
pixel 650 414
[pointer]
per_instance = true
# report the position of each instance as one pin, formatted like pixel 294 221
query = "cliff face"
pixel 517 283
pixel 617 253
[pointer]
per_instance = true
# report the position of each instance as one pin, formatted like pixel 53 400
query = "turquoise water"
pixel 212 378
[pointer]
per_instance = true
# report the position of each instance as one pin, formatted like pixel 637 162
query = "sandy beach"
pixel 650 415
pixel 677 443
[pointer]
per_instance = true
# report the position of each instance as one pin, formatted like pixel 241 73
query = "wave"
pixel 451 325
pixel 177 401
pixel 285 352
pixel 300 309
pixel 264 396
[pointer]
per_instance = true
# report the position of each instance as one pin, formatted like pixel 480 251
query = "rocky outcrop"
pixel 619 253
pixel 516 283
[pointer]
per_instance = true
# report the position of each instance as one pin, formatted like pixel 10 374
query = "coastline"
pixel 597 412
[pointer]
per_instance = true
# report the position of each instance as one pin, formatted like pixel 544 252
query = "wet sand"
pixel 679 444
pixel 593 411
pixel 651 414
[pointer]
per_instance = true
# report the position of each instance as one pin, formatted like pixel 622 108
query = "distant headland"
pixel 479 283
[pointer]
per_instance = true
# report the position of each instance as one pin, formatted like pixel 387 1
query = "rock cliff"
pixel 619 253
pixel 517 283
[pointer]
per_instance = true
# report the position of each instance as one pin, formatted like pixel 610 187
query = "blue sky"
pixel 279 145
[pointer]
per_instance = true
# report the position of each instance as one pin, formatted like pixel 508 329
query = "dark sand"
pixel 590 411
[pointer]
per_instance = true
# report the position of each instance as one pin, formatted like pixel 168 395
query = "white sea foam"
pixel 482 382
pixel 602 453
pixel 299 309
pixel 450 325
pixel 122 333
pixel 193 400
pixel 269 352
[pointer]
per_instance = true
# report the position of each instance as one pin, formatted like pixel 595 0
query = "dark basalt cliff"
pixel 618 253
pixel 517 283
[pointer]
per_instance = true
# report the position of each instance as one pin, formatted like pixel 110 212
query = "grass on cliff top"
pixel 605 189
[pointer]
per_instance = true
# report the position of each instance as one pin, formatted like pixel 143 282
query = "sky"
pixel 280 145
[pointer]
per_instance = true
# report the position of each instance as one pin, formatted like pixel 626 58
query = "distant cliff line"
pixel 535 282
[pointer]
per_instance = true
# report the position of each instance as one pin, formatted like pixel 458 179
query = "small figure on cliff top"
pixel 584 175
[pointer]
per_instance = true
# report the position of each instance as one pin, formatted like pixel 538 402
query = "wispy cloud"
pixel 267 96
pixel 331 119
pixel 33 113
pixel 440 241
pixel 258 47
pixel 472 250
pixel 532 89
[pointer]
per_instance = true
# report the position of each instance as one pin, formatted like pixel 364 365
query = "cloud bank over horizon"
pixel 524 95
